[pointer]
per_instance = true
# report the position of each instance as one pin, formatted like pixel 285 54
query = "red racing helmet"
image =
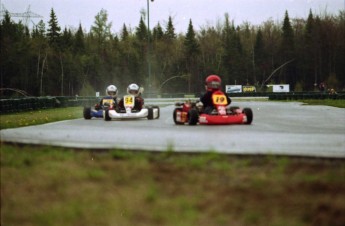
pixel 213 83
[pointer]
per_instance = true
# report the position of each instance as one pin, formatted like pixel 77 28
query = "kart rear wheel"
pixel 193 117
pixel 174 116
pixel 106 115
pixel 249 113
pixel 87 113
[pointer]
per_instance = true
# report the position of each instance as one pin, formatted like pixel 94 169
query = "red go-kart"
pixel 188 112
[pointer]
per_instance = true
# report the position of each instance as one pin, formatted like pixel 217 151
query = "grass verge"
pixel 59 186
pixel 38 117
pixel 328 102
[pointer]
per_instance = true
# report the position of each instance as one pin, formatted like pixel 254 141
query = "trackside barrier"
pixel 35 103
pixel 305 96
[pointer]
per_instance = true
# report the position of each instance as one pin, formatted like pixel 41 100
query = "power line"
pixel 27 15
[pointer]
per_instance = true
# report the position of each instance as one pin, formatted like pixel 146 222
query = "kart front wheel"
pixel 106 115
pixel 87 113
pixel 193 117
pixel 249 113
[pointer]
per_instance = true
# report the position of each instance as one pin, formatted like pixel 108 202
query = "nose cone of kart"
pixel 141 114
pixel 206 119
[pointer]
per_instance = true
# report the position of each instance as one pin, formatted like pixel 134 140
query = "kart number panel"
pixel 219 99
pixel 107 102
pixel 129 101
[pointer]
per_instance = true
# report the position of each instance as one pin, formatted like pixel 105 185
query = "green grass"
pixel 29 118
pixel 328 102
pixel 48 186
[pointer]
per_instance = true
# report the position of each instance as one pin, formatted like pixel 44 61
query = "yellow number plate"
pixel 219 99
pixel 108 102
pixel 129 101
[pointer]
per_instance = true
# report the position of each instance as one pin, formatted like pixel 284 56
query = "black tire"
pixel 249 113
pixel 174 117
pixel 106 115
pixel 193 117
pixel 150 114
pixel 87 113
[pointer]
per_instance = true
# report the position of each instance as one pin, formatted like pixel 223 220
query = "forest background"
pixel 49 60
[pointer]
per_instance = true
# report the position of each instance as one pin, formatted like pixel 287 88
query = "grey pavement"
pixel 282 128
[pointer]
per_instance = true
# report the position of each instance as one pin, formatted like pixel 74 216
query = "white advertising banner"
pixel 281 88
pixel 233 88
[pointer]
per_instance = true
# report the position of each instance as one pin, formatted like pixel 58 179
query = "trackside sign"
pixel 239 89
pixel 248 89
pixel 281 88
pixel 233 88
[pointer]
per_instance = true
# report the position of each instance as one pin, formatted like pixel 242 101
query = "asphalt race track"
pixel 282 128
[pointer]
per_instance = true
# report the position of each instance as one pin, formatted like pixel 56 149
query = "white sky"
pixel 202 12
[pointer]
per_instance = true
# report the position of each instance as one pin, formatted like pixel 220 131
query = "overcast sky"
pixel 202 12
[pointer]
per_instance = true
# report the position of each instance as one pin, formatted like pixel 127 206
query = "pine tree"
pixel 287 53
pixel 13 46
pixel 259 55
pixel 191 52
pixel 66 39
pixel 158 33
pixel 53 30
pixel 141 30
pixel 124 33
pixel 309 53
pixel 232 55
pixel 287 45
pixel 191 46
pixel 79 43
pixel 170 30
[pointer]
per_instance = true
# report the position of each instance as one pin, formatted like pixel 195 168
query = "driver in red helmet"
pixel 213 84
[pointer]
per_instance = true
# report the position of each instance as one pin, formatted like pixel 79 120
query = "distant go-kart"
pixel 97 111
pixel 188 113
pixel 129 112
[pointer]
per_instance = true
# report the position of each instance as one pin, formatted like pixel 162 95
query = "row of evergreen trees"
pixel 51 61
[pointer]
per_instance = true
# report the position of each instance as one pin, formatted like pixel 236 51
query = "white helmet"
pixel 111 91
pixel 133 89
